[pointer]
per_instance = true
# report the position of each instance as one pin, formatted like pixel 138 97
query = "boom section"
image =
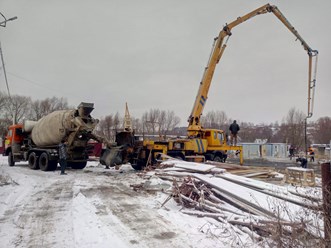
pixel 194 127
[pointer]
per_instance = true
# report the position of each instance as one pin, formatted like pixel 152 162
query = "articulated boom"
pixel 194 127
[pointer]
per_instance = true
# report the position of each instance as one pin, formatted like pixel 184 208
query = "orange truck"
pixel 37 141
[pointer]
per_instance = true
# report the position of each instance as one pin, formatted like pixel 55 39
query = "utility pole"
pixel 4 71
pixel 3 24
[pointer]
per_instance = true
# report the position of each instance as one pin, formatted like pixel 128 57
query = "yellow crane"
pixel 194 128
pixel 209 144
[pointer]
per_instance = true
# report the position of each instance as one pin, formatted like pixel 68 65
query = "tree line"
pixel 16 108
pixel 153 122
pixel 164 123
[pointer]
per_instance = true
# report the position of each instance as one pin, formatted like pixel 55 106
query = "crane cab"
pixel 214 137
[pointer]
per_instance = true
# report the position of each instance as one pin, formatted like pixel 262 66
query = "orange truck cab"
pixel 13 142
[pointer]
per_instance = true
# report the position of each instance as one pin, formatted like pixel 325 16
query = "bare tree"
pixel 221 120
pixel 322 130
pixel 117 122
pixel 144 120
pixel 215 119
pixel 162 122
pixel 292 130
pixel 168 121
pixel 36 112
pixel 40 108
pixel 250 132
pixel 150 121
pixel 246 133
pixel 106 127
pixel 136 125
pixel 209 120
pixel 4 123
pixel 17 108
pixel 2 100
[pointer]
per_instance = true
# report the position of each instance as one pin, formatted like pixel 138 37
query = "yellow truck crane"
pixel 214 140
pixel 210 144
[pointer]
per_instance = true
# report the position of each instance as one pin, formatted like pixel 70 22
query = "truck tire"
pixel 11 161
pixel 77 165
pixel 44 162
pixel 218 159
pixel 33 161
pixel 177 155
pixel 139 165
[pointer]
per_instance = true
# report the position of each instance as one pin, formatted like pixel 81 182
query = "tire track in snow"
pixel 42 220
pixel 123 209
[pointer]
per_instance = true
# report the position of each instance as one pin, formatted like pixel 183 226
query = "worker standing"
pixel 63 156
pixel 234 129
pixel 291 152
pixel 311 154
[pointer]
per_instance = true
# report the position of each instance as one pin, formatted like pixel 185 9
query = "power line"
pixel 35 83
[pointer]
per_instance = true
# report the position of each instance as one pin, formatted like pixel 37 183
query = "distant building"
pixel 261 149
pixel 322 150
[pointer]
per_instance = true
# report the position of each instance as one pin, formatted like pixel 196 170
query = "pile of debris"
pixel 262 209
pixel 247 171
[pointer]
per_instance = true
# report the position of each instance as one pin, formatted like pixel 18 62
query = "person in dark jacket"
pixel 63 156
pixel 234 129
pixel 291 151
pixel 303 162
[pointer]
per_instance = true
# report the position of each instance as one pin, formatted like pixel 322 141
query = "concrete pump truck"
pixel 202 142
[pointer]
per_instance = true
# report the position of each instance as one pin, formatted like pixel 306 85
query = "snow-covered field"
pixel 96 207
pixel 91 208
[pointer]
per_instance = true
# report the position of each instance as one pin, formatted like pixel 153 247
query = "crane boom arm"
pixel 217 51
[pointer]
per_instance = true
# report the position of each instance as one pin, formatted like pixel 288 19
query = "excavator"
pixel 210 144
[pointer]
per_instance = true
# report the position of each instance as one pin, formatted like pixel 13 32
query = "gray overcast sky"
pixel 152 53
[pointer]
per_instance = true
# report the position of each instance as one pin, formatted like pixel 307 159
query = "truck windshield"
pixel 18 131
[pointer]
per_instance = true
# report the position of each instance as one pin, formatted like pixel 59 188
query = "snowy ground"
pixel 95 207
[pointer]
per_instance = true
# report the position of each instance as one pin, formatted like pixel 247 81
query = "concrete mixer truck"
pixel 37 141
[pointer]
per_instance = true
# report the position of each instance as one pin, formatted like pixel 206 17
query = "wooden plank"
pixel 272 190
pixel 193 166
pixel 257 174
pixel 226 165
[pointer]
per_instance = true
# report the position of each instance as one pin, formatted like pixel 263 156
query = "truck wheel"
pixel 11 161
pixel 44 162
pixel 177 155
pixel 218 159
pixel 77 165
pixel 139 165
pixel 33 161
